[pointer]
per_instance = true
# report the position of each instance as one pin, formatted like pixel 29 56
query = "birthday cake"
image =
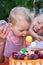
pixel 27 57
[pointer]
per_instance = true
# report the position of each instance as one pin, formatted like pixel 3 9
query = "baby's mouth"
pixel 23 35
pixel 35 28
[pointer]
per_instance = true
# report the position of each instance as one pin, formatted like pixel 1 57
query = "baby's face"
pixel 38 25
pixel 21 28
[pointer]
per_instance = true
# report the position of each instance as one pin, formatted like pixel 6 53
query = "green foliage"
pixel 7 5
pixel 41 3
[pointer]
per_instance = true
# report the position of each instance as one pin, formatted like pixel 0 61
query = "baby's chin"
pixel 38 32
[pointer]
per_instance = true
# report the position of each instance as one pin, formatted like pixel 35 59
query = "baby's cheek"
pixel 40 32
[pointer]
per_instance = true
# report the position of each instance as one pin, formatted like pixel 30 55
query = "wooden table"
pixel 5 63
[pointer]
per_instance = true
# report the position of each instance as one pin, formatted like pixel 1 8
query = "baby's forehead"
pixel 39 18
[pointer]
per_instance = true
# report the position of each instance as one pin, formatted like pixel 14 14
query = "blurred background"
pixel 35 6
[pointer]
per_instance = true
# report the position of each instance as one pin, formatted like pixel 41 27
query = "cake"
pixel 26 56
pixel 35 58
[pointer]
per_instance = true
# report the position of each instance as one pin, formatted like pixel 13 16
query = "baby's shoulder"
pixel 11 35
pixel 12 38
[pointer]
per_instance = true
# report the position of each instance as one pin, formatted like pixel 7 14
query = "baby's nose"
pixel 24 33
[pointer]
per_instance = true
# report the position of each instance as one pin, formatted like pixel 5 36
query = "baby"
pixel 19 24
pixel 37 28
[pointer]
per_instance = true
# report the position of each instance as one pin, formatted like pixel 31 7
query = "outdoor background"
pixel 7 5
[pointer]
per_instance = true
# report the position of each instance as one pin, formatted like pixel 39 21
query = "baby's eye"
pixel 21 30
pixel 24 30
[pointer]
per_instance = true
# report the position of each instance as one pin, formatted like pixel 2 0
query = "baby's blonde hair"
pixel 19 12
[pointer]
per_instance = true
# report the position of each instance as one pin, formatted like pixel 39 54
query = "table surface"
pixel 5 63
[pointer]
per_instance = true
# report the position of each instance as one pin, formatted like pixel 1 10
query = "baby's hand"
pixel 3 32
pixel 40 38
